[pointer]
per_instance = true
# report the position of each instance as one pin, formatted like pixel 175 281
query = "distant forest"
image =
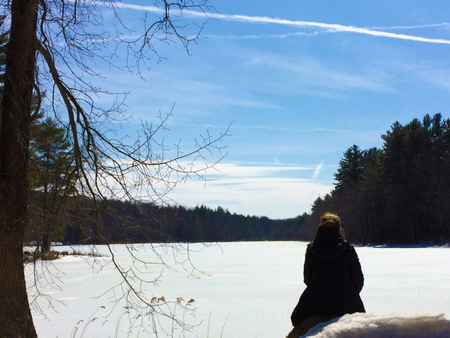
pixel 397 194
pixel 147 222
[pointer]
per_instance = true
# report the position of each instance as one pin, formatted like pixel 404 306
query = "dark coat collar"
pixel 328 244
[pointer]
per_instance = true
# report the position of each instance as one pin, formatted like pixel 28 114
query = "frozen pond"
pixel 244 289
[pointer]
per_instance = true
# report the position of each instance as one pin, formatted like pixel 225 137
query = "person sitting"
pixel 333 277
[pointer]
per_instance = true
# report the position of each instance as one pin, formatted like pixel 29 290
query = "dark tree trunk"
pixel 15 314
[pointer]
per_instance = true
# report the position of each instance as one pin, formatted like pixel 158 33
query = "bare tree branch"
pixel 72 39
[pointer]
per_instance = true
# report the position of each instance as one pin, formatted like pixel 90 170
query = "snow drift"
pixel 370 325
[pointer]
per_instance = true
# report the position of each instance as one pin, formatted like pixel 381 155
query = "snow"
pixel 393 325
pixel 244 289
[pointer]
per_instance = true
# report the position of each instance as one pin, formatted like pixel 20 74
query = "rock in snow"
pixel 370 325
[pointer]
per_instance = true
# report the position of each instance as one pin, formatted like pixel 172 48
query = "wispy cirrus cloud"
pixel 263 36
pixel 286 22
pixel 254 170
pixel 443 24
pixel 317 171
pixel 309 73
pixel 283 129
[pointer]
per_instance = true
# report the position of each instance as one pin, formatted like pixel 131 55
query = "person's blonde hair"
pixel 331 221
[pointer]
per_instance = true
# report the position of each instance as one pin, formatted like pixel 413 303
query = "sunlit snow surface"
pixel 245 289
pixel 369 325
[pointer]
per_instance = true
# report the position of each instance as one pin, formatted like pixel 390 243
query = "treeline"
pixel 399 193
pixel 117 221
pixel 149 222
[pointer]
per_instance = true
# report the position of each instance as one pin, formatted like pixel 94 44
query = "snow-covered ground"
pixel 245 289
pixel 369 325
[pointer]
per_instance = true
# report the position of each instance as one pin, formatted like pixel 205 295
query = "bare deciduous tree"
pixel 52 45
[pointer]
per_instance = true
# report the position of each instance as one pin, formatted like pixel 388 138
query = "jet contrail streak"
pixel 268 20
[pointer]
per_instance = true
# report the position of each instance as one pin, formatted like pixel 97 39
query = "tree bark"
pixel 15 314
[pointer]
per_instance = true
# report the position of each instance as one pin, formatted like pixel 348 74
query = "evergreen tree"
pixel 51 178
pixel 50 161
pixel 350 168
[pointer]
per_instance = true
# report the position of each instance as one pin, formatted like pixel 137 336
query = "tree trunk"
pixel 15 314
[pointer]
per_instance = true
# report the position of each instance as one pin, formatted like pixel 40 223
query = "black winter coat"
pixel 333 276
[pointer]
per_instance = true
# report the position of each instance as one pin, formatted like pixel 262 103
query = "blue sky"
pixel 299 82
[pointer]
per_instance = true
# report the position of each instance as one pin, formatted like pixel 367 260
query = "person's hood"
pixel 328 244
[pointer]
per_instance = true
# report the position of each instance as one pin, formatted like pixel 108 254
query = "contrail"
pixel 277 21
pixel 443 24
pixel 332 27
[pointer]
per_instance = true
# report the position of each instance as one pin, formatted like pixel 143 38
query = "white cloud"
pixel 238 170
pixel 277 192
pixel 255 190
pixel 317 171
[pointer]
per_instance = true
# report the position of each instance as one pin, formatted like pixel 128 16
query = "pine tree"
pixel 350 168
pixel 51 178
